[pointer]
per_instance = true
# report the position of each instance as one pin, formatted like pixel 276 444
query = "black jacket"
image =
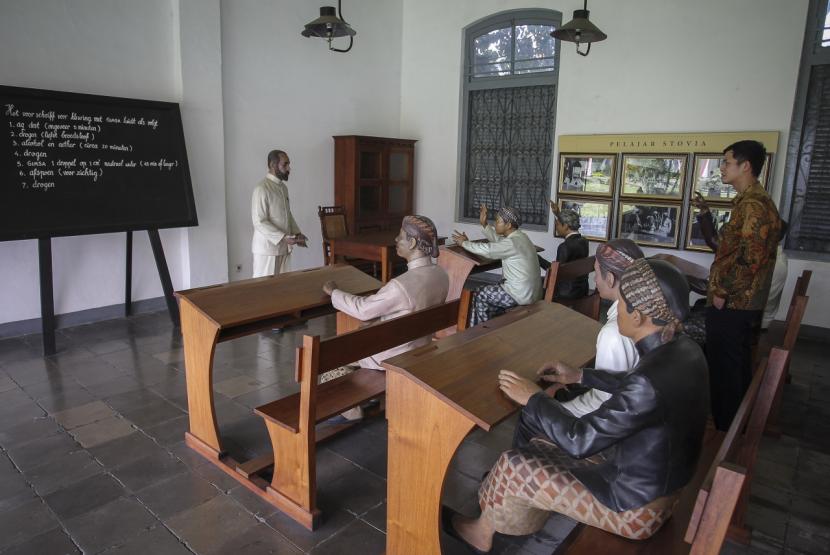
pixel 650 430
pixel 572 248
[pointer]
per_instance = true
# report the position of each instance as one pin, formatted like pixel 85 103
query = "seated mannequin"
pixel 522 283
pixel 615 468
pixel 615 352
pixel 423 285
pixel 575 246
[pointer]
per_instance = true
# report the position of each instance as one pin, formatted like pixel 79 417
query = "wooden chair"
pixel 713 504
pixel 569 271
pixel 333 225
pixel 291 421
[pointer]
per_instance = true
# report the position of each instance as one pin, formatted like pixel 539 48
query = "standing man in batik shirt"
pixel 739 280
pixel 522 283
pixel 275 230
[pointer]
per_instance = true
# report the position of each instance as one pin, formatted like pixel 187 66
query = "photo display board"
pixel 73 164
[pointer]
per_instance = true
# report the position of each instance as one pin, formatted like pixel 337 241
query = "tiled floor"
pixel 92 458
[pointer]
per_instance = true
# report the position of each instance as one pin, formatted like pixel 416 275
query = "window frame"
pixel 812 54
pixel 509 18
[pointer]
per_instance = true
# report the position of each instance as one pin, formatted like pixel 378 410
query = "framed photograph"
pixel 694 237
pixel 648 223
pixel 653 176
pixel 587 174
pixel 707 180
pixel 594 216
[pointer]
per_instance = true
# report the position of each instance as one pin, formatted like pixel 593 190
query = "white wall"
pixel 284 91
pixel 667 66
pixel 117 48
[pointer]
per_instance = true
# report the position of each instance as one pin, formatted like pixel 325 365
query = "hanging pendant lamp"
pixel 330 25
pixel 580 30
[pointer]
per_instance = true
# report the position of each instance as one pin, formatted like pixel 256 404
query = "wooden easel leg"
pixel 164 275
pixel 128 280
pixel 47 301
pixel 420 451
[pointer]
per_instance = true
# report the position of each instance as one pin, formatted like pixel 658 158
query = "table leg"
pixel 199 335
pixel 424 434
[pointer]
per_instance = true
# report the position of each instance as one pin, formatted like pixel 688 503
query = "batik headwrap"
pixel 423 231
pixel 658 290
pixel 510 216
pixel 569 218
pixel 617 255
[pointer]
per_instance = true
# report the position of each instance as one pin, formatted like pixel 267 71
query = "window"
pixel 511 66
pixel 807 174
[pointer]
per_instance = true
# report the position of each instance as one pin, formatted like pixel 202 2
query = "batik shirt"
pixel 743 266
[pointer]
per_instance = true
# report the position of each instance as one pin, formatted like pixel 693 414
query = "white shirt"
pixel 615 353
pixel 424 285
pixel 519 263
pixel 776 287
pixel 271 216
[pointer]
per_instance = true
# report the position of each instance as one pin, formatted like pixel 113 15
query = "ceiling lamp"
pixel 330 25
pixel 580 30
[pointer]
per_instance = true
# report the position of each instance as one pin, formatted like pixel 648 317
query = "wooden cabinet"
pixel 373 180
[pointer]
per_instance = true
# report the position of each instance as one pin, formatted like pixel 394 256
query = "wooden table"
pixel 460 263
pixel 210 315
pixel 696 275
pixel 378 246
pixel 438 393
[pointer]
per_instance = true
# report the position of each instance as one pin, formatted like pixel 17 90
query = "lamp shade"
pixel 328 25
pixel 579 30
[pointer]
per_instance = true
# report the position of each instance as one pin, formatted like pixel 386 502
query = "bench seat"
pixel 334 397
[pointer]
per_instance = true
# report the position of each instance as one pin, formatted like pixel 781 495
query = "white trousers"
pixel 265 265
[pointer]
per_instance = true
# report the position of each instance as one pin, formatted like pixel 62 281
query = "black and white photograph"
pixel 587 174
pixel 594 217
pixel 649 224
pixel 694 237
pixel 653 176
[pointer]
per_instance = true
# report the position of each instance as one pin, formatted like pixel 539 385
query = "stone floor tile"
pixel 187 455
pixel 35 453
pixel 212 523
pixel 84 414
pixel 155 541
pixel 29 430
pixel 119 384
pixel 154 412
pixel 177 494
pixel 268 394
pixel 376 517
pixel 216 477
pixel 66 399
pixel 357 492
pixel 7 384
pixel 149 470
pixel 358 537
pixel 14 491
pixel 240 385
pixel 53 542
pixel 808 537
pixel 169 432
pixel 361 448
pixel 331 523
pixel 62 472
pixel 124 450
pixel 30 371
pixel 25 521
pixel 102 431
pixel 84 496
pixel 110 525
pixel 259 540
pixel 253 503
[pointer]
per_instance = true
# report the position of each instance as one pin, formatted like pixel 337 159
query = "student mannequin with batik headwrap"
pixel 621 467
pixel 423 285
pixel 522 283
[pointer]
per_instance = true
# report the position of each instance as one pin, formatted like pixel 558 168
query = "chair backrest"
pixel 727 484
pixel 568 271
pixel 802 283
pixel 793 323
pixel 332 226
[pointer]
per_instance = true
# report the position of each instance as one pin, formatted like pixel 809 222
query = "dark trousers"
pixel 730 335
pixel 525 431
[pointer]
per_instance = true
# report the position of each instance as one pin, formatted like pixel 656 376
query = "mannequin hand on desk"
pixel 559 372
pixel 516 387
pixel 329 286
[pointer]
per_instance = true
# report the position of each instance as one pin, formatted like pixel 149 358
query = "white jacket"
pixel 272 219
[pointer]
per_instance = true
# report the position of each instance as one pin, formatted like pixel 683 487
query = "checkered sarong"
pixel 525 485
pixel 488 302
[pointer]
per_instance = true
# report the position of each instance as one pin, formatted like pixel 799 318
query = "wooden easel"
pixel 47 299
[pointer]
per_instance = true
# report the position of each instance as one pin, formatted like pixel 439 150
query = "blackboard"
pixel 74 164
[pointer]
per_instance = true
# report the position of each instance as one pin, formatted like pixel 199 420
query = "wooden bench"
pixel 291 421
pixel 570 271
pixel 784 333
pixel 713 504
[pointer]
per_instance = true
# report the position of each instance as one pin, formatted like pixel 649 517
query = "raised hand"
pixel 482 215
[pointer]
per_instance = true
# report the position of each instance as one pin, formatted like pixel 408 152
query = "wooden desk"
pixel 438 393
pixel 696 275
pixel 377 246
pixel 210 315
pixel 459 264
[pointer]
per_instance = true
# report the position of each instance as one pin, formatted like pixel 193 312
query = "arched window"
pixel 511 67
